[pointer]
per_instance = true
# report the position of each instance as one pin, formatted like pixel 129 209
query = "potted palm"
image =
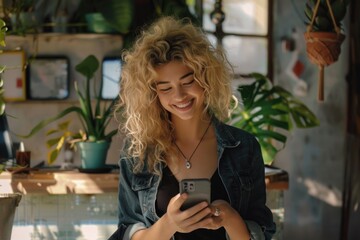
pixel 269 112
pixel 324 35
pixel 94 118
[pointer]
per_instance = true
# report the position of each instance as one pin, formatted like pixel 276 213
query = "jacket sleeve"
pixel 260 219
pixel 130 214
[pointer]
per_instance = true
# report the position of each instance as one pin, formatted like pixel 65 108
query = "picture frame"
pixel 14 76
pixel 48 78
pixel 111 74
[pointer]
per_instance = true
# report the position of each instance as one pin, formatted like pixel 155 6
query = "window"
pixel 245 32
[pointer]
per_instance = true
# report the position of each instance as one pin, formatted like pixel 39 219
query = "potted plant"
pixel 324 34
pixel 3 30
pixel 25 15
pixel 145 11
pixel 93 116
pixel 8 204
pixel 8 201
pixel 108 16
pixel 269 112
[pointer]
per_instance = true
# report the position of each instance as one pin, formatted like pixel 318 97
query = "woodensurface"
pixel 74 182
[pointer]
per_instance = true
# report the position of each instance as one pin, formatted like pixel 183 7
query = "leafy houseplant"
pixel 8 201
pixel 323 20
pixel 323 36
pixel 94 117
pixel 106 15
pixel 268 112
pixel 24 15
pixel 3 30
pixel 141 13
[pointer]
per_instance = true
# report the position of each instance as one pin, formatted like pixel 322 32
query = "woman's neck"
pixel 190 130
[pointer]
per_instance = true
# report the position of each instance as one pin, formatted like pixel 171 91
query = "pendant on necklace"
pixel 188 164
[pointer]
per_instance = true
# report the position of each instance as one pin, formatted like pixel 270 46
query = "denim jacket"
pixel 241 168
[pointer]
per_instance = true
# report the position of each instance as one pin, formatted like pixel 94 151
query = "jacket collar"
pixel 224 134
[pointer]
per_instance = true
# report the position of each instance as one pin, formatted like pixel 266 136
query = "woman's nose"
pixel 179 93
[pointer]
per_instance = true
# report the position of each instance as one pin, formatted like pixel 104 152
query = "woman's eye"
pixel 190 82
pixel 164 89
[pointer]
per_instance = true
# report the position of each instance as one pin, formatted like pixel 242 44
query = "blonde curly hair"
pixel 147 124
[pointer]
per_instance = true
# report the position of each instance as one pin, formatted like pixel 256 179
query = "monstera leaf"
pixel 269 112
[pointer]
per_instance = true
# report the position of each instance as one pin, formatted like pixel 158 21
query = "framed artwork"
pixel 48 78
pixel 14 75
pixel 111 73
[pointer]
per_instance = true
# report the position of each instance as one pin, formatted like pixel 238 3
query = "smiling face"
pixel 178 91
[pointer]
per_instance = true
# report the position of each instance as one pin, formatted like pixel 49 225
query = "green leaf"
pixel 304 117
pixel 2 107
pixel 52 155
pixel 64 125
pixel 88 67
pixel 308 12
pixel 273 123
pixel 178 9
pixel 268 151
pixel 323 23
pixel 268 134
pixel 52 142
pixel 339 10
pixel 47 121
pixel 119 14
pixel 51 131
pixel 2 69
pixel 3 30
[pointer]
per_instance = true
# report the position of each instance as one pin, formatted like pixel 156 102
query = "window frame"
pixel 219 34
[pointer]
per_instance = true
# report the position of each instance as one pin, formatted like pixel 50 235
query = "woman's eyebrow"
pixel 186 75
pixel 182 77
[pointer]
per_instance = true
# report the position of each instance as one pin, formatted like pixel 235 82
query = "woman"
pixel 175 94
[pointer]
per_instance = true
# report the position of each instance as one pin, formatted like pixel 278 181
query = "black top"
pixel 169 187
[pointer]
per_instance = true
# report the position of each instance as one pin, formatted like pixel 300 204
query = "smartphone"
pixel 198 189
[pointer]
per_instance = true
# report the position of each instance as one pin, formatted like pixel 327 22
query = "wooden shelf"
pixel 64 36
pixel 74 182
pixel 59 182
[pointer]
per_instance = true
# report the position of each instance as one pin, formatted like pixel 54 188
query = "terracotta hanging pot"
pixel 323 48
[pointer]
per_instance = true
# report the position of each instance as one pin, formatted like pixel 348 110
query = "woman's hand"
pixel 189 219
pixel 221 212
pixel 223 215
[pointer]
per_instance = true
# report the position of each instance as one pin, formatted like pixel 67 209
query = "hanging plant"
pixel 324 36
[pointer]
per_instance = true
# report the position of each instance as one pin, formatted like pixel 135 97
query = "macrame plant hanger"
pixel 323 48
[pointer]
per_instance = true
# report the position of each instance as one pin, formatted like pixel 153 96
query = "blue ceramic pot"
pixel 93 154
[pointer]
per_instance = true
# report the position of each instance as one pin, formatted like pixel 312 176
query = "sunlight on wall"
pixel 328 194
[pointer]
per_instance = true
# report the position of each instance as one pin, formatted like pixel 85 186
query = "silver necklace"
pixel 187 160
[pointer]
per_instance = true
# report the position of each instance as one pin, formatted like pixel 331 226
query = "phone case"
pixel 198 189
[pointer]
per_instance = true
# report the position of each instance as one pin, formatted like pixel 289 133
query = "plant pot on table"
pixel 8 205
pixel 93 154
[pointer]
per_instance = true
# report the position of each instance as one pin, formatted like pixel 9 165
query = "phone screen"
pixel 198 190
